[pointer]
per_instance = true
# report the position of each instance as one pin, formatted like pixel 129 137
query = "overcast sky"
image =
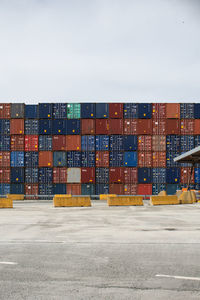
pixel 99 50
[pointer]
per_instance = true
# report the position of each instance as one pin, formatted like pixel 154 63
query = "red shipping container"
pixel 130 126
pixel 5 159
pixel 145 189
pixel 73 142
pixel 144 126
pixel 158 143
pixel 172 110
pixel 17 142
pixel 130 175
pixel 144 159
pixel 87 175
pixel 5 175
pixel 5 111
pixel 102 159
pixel 187 126
pixel 115 126
pixel 159 159
pixel 185 175
pixel 116 188
pixel 197 126
pixel 116 175
pixel 17 126
pixel 31 142
pixel 60 175
pixel 116 110
pixel 59 142
pixel 159 126
pixel 74 188
pixel 158 110
pixel 144 143
pixel 172 126
pixel 31 189
pixel 102 126
pixel 88 126
pixel 130 189
pixel 45 159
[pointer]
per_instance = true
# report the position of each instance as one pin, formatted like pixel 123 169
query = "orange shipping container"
pixel 87 126
pixel 45 159
pixel 187 126
pixel 60 175
pixel 173 111
pixel 115 126
pixel 159 159
pixel 102 126
pixel 144 159
pixel 59 142
pixel 5 159
pixel 158 143
pixel 73 142
pixel 130 126
pixel 31 189
pixel 5 111
pixel 130 175
pixel 185 175
pixel 74 188
pixel 197 126
pixel 116 110
pixel 144 126
pixel 102 159
pixel 17 142
pixel 130 189
pixel 172 126
pixel 144 143
pixel 17 126
pixel 116 188
pixel 158 110
pixel 145 189
pixel 5 175
pixel 31 142
pixel 159 127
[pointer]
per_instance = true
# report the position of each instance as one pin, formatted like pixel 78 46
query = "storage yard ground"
pixel 99 252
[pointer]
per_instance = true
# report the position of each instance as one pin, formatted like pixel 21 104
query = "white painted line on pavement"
pixel 8 263
pixel 178 277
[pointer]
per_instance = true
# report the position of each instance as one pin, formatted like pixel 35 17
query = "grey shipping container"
pixel 73 175
pixel 59 159
pixel 17 110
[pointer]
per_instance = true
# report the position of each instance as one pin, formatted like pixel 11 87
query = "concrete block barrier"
pixel 15 196
pixel 71 201
pixel 6 203
pixel 105 196
pixel 164 200
pixel 125 200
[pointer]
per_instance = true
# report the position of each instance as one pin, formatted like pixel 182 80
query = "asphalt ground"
pixel 99 252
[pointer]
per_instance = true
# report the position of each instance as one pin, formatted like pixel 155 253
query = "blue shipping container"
pixel 159 175
pixel 73 159
pixel 59 159
pixel 45 110
pixel 172 188
pixel 87 142
pixel 102 175
pixel 116 142
pixel 87 159
pixel 197 110
pixel 31 175
pixel 31 127
pixel 187 143
pixel 4 126
pixel 144 175
pixel 31 111
pixel 17 188
pixel 102 110
pixel 130 110
pixel 157 188
pixel 88 110
pixel 170 159
pixel 45 175
pixel 130 142
pixel 4 143
pixel 102 142
pixel 59 188
pixel 102 189
pixel 197 175
pixel 46 189
pixel 187 110
pixel 73 126
pixel 144 110
pixel 17 175
pixel 45 126
pixel 197 140
pixel 116 158
pixel 17 159
pixel 31 159
pixel 4 188
pixel 45 143
pixel 59 110
pixel 87 189
pixel 130 159
pixel 59 126
pixel 173 143
pixel 173 175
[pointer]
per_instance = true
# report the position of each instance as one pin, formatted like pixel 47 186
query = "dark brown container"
pixel 130 126
pixel 144 143
pixel 159 159
pixel 5 159
pixel 73 142
pixel 144 126
pixel 87 126
pixel 172 110
pixel 116 188
pixel 17 142
pixel 5 111
pixel 5 175
pixel 74 188
pixel 197 126
pixel 172 126
pixel 145 189
pixel 102 126
pixel 45 159
pixel 159 126
pixel 17 126
pixel 115 126
pixel 158 110
pixel 87 175
pixel 102 159
pixel 116 175
pixel 159 143
pixel 130 189
pixel 185 175
pixel 187 126
pixel 116 110
pixel 144 159
pixel 31 189
pixel 130 175
pixel 59 142
pixel 60 175
pixel 31 142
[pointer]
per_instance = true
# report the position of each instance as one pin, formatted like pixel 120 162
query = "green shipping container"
pixel 74 111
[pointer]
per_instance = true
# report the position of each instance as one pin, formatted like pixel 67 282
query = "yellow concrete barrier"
pixel 70 201
pixel 187 197
pixel 105 196
pixel 162 193
pixel 16 196
pixel 164 200
pixel 125 200
pixel 6 203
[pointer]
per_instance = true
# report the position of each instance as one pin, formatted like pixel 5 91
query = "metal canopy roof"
pixel 192 156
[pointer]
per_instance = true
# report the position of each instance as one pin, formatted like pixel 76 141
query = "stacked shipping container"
pixel 97 148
